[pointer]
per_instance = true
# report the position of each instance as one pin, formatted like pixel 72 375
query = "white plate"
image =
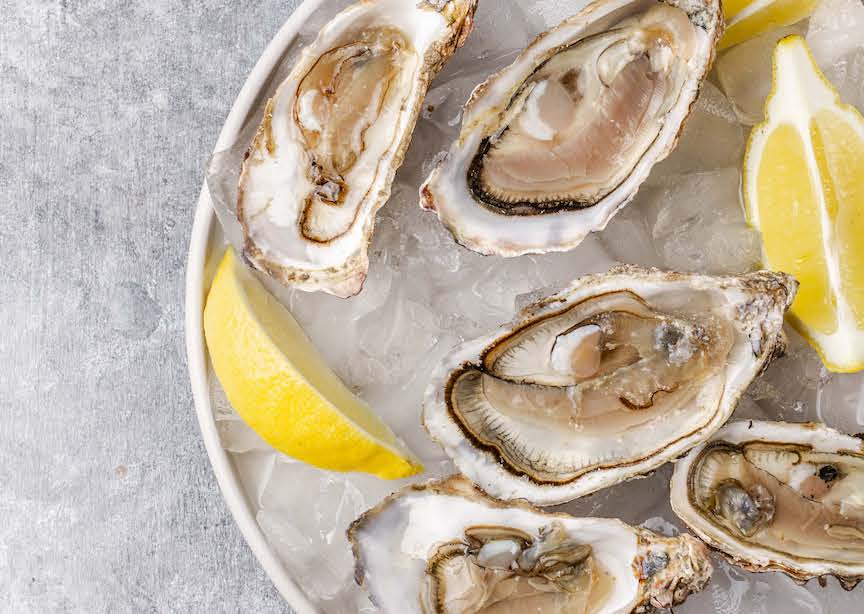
pixel 412 258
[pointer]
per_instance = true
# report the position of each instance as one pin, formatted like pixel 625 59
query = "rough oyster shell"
pixel 604 381
pixel 554 145
pixel 773 496
pixel 447 547
pixel 335 132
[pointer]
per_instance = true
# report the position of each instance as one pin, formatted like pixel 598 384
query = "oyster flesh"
pixel 605 381
pixel 554 145
pixel 332 137
pixel 447 548
pixel 774 496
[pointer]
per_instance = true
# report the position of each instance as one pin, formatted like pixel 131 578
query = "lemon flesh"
pixel 746 19
pixel 278 383
pixel 804 190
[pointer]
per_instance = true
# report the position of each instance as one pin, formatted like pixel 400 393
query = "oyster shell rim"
pixel 347 278
pixel 485 466
pixel 651 590
pixel 742 431
pixel 705 14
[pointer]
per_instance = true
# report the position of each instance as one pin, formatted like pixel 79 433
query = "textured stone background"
pixel 108 112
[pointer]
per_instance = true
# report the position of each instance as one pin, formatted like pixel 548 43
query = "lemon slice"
pixel 804 190
pixel 280 385
pixel 746 19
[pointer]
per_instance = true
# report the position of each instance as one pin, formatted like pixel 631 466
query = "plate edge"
pixel 196 354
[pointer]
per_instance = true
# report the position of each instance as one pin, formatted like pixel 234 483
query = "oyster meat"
pixel 333 135
pixel 554 145
pixel 774 496
pixel 447 548
pixel 605 381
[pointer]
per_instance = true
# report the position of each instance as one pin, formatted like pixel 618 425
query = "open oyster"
pixel 447 548
pixel 335 132
pixel 778 497
pixel 554 145
pixel 605 381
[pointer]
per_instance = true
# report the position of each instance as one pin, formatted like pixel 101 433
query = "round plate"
pixel 686 216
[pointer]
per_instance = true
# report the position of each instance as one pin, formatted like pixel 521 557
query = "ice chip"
pixel 847 75
pixel 712 138
pixel 691 222
pixel 745 72
pixel 425 294
pixel 836 29
pixel 628 236
pixel 660 525
pixel 840 401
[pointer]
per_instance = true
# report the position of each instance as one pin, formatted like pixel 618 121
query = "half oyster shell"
pixel 774 496
pixel 446 547
pixel 335 132
pixel 554 145
pixel 605 381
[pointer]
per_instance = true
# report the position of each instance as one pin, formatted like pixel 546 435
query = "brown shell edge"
pixel 714 11
pixel 460 486
pixel 347 281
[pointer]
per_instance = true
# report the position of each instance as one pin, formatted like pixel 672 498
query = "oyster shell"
pixel 778 497
pixel 445 547
pixel 554 145
pixel 335 132
pixel 605 381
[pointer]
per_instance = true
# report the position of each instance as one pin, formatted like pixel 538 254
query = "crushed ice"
pixel 425 294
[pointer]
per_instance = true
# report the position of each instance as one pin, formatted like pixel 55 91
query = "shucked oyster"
pixel 332 137
pixel 554 145
pixel 605 381
pixel 447 548
pixel 778 497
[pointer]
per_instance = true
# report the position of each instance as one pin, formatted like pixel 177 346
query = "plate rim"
pixel 195 292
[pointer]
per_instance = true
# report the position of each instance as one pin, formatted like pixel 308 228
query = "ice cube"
pixel 628 236
pixel 745 72
pixel 840 401
pixel 499 28
pixel 836 29
pixel 255 469
pixel 734 591
pixel 847 75
pixel 305 512
pixel 787 390
pixel 700 225
pixel 556 11
pixel 712 138
pixel 529 298
pixel 237 436
pixel 660 525
pixel 696 223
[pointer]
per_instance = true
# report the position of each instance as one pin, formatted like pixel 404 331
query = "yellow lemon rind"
pixel 277 401
pixel 756 140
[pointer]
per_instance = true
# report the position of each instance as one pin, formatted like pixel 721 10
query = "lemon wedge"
pixel 746 19
pixel 804 190
pixel 280 385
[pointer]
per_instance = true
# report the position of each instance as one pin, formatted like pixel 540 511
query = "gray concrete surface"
pixel 108 112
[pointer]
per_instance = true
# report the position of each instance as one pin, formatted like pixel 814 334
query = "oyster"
pixel 778 497
pixel 605 381
pixel 335 132
pixel 447 548
pixel 554 145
